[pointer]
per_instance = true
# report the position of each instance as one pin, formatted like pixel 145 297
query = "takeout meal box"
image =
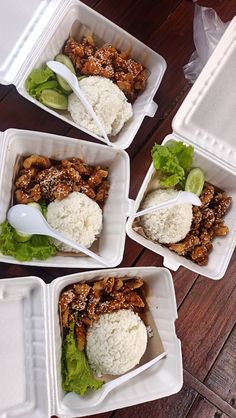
pixel 36 32
pixel 30 378
pixel 206 120
pixel 15 143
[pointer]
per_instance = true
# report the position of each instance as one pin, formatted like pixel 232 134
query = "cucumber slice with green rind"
pixel 53 99
pixel 64 85
pixel 195 181
pixel 64 59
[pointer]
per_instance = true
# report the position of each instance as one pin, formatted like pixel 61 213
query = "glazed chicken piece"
pixel 93 300
pixel 102 191
pixel 83 187
pixel 220 229
pixel 65 300
pixel 37 161
pixel 207 194
pixel 134 300
pixel 26 178
pixel 200 255
pixel 80 335
pixel 131 284
pixel 222 207
pixel 97 176
pixel 31 195
pixel 208 218
pixel 81 296
pixel 186 245
pixel 79 165
pixel 197 217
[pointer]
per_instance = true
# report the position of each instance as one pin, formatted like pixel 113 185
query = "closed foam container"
pixel 38 31
pixel 29 320
pixel 15 143
pixel 206 120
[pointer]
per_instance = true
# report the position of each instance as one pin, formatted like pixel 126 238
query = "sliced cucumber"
pixel 195 181
pixel 20 236
pixel 64 59
pixel 68 63
pixel 52 98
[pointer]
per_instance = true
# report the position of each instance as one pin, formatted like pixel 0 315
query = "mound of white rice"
pixel 168 225
pixel 77 217
pixel 108 102
pixel 116 342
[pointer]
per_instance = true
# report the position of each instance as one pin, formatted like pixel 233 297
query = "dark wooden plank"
pixel 136 17
pixel 206 319
pixel 4 90
pixel 209 395
pixel 203 408
pixel 90 3
pixel 175 406
pixel 222 377
pixel 183 279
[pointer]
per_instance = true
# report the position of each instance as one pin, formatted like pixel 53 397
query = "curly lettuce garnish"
pixel 76 373
pixel 38 246
pixel 173 161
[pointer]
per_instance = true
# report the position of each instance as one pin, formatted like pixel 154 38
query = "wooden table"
pixel 207 319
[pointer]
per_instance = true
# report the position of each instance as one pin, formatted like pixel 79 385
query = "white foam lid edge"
pixel 21 25
pixel 206 119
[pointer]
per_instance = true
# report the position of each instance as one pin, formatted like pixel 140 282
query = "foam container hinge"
pixel 29 320
pixel 111 242
pixel 50 43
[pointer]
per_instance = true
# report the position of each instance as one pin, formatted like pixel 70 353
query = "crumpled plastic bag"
pixel 208 28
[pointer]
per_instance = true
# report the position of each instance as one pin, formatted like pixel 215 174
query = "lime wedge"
pixel 52 98
pixel 195 181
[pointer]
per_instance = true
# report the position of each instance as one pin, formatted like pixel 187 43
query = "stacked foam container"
pixel 30 378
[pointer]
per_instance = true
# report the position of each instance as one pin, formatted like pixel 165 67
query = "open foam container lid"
pixel 23 22
pixel 206 119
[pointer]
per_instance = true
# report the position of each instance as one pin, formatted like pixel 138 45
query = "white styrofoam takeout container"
pixel 206 120
pixel 38 30
pixel 15 143
pixel 29 320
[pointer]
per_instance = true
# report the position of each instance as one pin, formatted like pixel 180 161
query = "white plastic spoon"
pixel 29 220
pixel 64 72
pixel 92 398
pixel 182 197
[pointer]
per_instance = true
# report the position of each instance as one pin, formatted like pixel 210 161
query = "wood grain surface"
pixel 207 309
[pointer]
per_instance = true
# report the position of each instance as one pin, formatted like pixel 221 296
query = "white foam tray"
pixel 29 321
pixel 206 120
pixel 38 34
pixel 15 143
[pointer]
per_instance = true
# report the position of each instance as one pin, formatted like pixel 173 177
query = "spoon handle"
pixel 122 379
pixel 156 207
pixel 78 247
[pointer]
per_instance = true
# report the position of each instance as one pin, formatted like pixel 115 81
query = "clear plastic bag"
pixel 207 31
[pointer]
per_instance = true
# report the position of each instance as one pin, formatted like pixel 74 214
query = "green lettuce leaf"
pixel 173 161
pixel 76 373
pixel 38 246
